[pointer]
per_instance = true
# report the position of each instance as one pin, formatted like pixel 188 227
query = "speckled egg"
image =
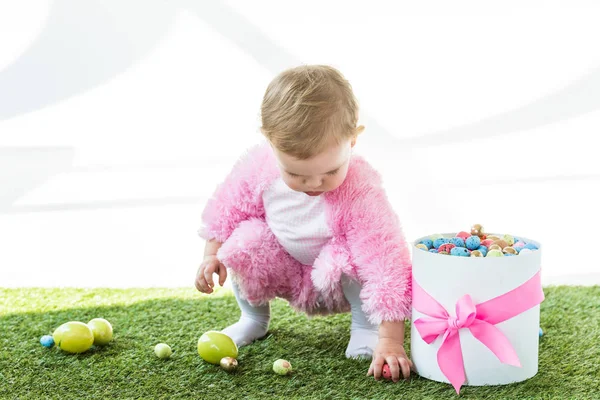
pixel 427 242
pixel 495 253
pixel 531 246
pixel 463 235
pixel 460 251
pixel 476 253
pixel 422 247
pixel 487 242
pixel 473 242
pixel 458 242
pixel 509 250
pixel 483 250
pixel 477 230
pixel 447 247
pixel 509 239
pixel 440 241
pixel 502 243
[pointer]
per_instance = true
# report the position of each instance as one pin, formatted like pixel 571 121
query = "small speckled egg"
pixel 502 243
pixel 427 242
pixel 447 247
pixel 525 251
pixel 531 246
pixel 47 341
pixel 460 251
pixel 541 332
pixel 476 253
pixel 509 250
pixel 463 235
pixel 473 242
pixel 509 239
pixel 487 242
pixel 495 247
pixel 433 251
pixel 495 253
pixel 422 247
pixel 477 230
pixel 435 236
pixel 483 250
pixel 440 241
pixel 458 242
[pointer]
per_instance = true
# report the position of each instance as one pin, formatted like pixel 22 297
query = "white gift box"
pixel 448 278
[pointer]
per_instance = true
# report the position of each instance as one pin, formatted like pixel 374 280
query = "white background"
pixel 118 118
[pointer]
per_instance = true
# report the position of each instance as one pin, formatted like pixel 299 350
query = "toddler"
pixel 301 218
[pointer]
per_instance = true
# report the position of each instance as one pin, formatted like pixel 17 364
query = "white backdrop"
pixel 118 118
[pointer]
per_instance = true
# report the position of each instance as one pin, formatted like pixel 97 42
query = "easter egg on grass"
pixel 102 330
pixel 213 346
pixel 73 337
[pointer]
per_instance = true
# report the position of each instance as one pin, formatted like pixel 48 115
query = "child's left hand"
pixel 391 352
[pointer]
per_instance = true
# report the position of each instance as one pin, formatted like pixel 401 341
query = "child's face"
pixel 322 173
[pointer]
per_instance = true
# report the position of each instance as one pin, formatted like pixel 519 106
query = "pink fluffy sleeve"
pixel 379 249
pixel 238 198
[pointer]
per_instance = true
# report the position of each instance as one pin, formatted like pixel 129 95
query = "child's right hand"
pixel 204 277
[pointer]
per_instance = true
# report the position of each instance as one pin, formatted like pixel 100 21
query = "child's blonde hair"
pixel 307 108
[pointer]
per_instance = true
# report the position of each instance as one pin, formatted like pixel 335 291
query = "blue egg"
pixel 541 331
pixel 530 246
pixel 473 242
pixel 460 251
pixel 516 239
pixel 47 341
pixel 438 242
pixel 432 250
pixel 427 242
pixel 483 250
pixel 458 242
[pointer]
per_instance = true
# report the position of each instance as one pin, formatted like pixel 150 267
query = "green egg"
pixel 73 337
pixel 495 253
pixel 213 346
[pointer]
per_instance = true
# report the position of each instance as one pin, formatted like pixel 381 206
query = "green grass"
pixel 128 368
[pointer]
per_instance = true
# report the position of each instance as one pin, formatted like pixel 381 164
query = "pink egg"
pixel 446 247
pixel 519 244
pixel 487 242
pixel 387 374
pixel 463 235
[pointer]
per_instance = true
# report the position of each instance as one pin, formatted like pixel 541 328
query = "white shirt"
pixel 297 220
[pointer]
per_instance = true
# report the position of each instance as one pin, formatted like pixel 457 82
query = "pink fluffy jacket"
pixel 367 243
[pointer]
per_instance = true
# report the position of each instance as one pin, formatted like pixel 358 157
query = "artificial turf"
pixel 128 369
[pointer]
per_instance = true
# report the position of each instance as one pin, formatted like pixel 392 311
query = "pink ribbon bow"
pixel 479 319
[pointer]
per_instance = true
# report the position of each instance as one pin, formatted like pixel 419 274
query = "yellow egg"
pixel 73 337
pixel 443 252
pixel 495 253
pixel 422 247
pixel 213 346
pixel 509 239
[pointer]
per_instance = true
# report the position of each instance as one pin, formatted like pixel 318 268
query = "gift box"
pixel 475 320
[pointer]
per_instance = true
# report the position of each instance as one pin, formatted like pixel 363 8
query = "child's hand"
pixel 392 352
pixel 204 277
